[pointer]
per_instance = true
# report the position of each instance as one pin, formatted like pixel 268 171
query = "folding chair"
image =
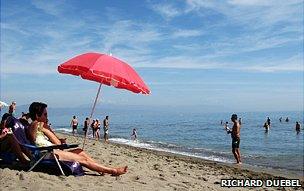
pixel 39 153
pixel 45 151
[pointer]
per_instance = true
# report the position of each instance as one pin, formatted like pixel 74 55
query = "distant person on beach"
pixel 86 125
pixel 298 127
pixel 39 133
pixel 97 129
pixel 93 127
pixel 280 119
pixel 235 135
pixel 221 122
pixel 106 129
pixel 226 127
pixel 268 121
pixel 12 108
pixel 24 119
pixel 134 134
pixel 74 124
pixel 287 119
pixel 266 126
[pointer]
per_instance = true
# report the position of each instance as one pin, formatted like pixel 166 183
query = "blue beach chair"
pixel 40 153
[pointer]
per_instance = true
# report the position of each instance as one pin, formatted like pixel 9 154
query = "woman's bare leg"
pixel 97 134
pixel 70 156
pixel 82 153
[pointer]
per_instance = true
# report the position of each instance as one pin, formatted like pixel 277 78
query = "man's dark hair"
pixel 10 121
pixel 234 117
pixel 5 116
pixel 36 108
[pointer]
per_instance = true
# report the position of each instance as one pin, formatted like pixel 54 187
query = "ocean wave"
pixel 139 144
pixel 67 130
pixel 211 158
pixel 134 143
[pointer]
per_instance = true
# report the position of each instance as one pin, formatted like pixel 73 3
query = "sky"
pixel 234 55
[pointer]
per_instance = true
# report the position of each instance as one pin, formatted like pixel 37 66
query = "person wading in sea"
pixel 235 135
pixel 74 124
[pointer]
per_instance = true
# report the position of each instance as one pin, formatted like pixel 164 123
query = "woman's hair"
pixel 36 108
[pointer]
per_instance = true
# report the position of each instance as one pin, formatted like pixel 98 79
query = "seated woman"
pixel 41 135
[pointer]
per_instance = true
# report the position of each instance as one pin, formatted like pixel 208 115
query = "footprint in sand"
pixel 177 186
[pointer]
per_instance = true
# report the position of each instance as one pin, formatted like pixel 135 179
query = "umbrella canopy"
pixel 106 70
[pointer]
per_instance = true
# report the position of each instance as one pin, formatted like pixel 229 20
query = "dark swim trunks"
pixel 74 126
pixel 236 143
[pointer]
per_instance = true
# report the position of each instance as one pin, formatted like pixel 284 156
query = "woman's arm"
pixel 32 132
pixel 53 138
pixel 62 140
pixel 46 126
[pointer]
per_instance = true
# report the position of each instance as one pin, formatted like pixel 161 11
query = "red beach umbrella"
pixel 104 69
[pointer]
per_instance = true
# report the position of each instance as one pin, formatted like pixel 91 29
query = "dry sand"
pixel 147 170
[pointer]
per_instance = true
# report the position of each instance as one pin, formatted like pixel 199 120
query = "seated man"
pixel 8 142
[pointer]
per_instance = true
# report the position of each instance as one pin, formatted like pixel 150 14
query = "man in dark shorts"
pixel 235 135
pixel 86 125
pixel 93 127
pixel 268 121
pixel 298 127
pixel 74 124
pixel 106 129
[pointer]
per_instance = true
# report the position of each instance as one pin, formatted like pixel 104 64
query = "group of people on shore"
pixel 39 133
pixel 95 126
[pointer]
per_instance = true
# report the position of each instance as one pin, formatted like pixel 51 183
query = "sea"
pixel 199 133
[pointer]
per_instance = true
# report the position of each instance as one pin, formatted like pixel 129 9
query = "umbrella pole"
pixel 97 95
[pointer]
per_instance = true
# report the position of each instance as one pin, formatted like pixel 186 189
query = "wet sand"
pixel 147 170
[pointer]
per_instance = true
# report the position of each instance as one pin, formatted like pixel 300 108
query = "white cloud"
pixel 128 33
pixel 54 8
pixel 182 61
pixel 261 2
pixel 294 63
pixel 137 42
pixel 251 13
pixel 186 33
pixel 168 11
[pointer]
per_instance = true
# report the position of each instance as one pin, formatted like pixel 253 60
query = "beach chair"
pixel 40 153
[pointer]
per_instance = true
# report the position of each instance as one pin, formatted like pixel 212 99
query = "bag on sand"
pixel 72 168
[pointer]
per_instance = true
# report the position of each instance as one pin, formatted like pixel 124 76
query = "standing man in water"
pixel 74 124
pixel 106 129
pixel 268 121
pixel 86 125
pixel 298 127
pixel 235 135
pixel 12 108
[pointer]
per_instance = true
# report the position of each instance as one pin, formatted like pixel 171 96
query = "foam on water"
pixel 139 144
pixel 133 143
pixel 64 130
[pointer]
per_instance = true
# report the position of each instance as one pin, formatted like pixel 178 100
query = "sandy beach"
pixel 147 170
